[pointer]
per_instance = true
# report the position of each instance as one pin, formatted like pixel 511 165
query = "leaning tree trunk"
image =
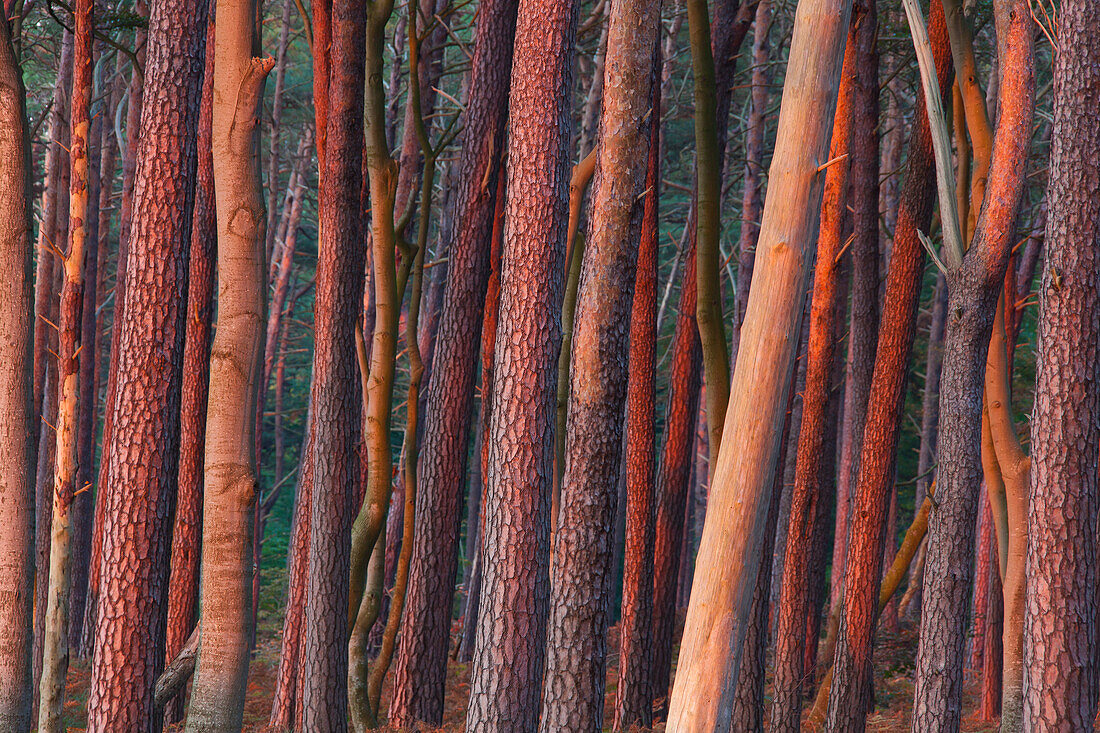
pixel 1060 687
pixel 55 650
pixel 973 288
pixel 421 665
pixel 336 391
pixel 183 578
pixel 507 670
pixel 143 448
pixel 810 481
pixel 851 683
pixel 634 699
pixel 17 447
pixel 573 696
pixel 729 554
pixel 229 458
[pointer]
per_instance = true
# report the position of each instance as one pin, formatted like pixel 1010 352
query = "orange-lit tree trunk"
pixel 733 536
pixel 583 542
pixel 1059 687
pixel 508 659
pixel 863 330
pixel 134 95
pixel 421 665
pixel 183 578
pixel 17 420
pixel 55 651
pixel 851 683
pixel 809 480
pixel 633 702
pixel 229 476
pixel 141 454
pixel 336 391
pixel 973 289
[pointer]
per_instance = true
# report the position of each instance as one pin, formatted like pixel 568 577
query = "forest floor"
pixel 894 659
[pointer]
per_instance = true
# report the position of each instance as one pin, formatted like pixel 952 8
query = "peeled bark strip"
pixel 55 652
pixel 810 480
pixel 573 693
pixel 729 555
pixel 421 665
pixel 17 421
pixel 183 579
pixel 142 452
pixel 1060 688
pixel 507 670
pixel 633 702
pixel 336 391
pixel 973 288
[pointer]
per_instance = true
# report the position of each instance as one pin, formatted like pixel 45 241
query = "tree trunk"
pixel 633 702
pixel 810 481
pixel 508 661
pixel 421 666
pixel 55 651
pixel 183 578
pixel 17 419
pixel 729 555
pixel 973 288
pixel 142 454
pixel 336 391
pixel 1060 684
pixel 573 697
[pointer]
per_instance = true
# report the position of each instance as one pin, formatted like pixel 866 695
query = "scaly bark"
pixel 17 419
pixel 143 445
pixel 508 660
pixel 1060 682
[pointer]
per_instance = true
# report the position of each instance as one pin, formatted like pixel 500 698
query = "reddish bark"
pixel 144 443
pixel 421 665
pixel 183 578
pixel 507 669
pixel 851 686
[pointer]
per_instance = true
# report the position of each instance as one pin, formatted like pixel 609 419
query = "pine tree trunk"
pixel 973 289
pixel 421 665
pixel 633 702
pixel 507 670
pixel 55 651
pixel 1064 505
pixel 17 419
pixel 573 696
pixel 183 578
pixel 336 391
pixel 810 482
pixel 141 455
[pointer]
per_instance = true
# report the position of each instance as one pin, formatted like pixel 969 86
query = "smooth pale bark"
pixel 17 438
pixel 1060 633
pixel 55 652
pixel 217 698
pixel 810 481
pixel 633 701
pixel 573 690
pixel 973 288
pixel 421 664
pixel 183 578
pixel 141 454
pixel 729 555
pixel 508 661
